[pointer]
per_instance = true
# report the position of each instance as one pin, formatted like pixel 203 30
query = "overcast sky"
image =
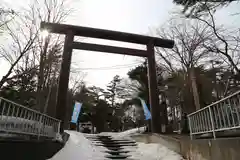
pixel 135 16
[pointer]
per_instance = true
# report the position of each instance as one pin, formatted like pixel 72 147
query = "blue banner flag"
pixel 147 113
pixel 76 111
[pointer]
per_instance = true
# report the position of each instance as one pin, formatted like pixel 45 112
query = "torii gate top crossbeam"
pixel 106 34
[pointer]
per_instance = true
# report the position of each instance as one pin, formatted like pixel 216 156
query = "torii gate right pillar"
pixel 153 91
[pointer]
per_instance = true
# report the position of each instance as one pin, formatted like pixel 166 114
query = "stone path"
pixel 115 148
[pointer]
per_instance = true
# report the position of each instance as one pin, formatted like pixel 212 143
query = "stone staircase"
pixel 116 148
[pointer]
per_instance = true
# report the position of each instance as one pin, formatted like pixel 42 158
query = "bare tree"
pixel 55 12
pixel 128 89
pixel 21 37
pixel 76 82
pixel 188 51
pixel 6 15
pixel 25 45
pixel 223 42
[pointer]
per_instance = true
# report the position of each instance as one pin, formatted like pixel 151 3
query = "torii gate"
pixel 70 31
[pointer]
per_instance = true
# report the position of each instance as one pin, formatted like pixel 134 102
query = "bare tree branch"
pixel 220 38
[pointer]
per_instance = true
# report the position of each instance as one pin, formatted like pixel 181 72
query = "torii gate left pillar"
pixel 70 31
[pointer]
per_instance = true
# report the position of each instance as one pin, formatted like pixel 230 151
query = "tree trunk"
pixel 41 75
pixel 194 88
pixel 47 100
pixel 149 129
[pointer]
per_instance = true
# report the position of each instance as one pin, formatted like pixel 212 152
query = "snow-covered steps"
pixel 86 147
pixel 115 148
pixel 116 152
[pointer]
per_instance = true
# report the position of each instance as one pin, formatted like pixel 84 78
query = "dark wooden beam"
pixel 106 34
pixel 63 80
pixel 153 92
pixel 109 49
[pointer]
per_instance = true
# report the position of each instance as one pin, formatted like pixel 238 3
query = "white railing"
pixel 18 119
pixel 220 116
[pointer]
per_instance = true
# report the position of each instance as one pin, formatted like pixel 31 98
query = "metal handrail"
pixel 214 103
pixel 18 119
pixel 28 108
pixel 219 116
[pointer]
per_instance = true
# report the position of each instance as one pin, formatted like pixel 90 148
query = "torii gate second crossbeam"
pixel 70 31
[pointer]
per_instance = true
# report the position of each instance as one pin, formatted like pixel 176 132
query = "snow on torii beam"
pixel 70 31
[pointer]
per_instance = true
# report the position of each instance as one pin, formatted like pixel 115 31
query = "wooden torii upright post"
pixel 70 31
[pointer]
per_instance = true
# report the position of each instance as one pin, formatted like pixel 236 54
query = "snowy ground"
pixel 125 134
pixel 80 148
pixel 153 151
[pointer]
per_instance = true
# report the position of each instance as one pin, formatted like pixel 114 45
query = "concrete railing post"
pixel 212 122
pixel 190 127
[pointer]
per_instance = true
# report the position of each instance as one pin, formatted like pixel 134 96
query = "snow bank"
pixel 132 132
pixel 154 151
pixel 125 134
pixel 78 148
